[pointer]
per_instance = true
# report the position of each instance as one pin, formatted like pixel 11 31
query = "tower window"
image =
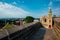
pixel 45 20
pixel 49 20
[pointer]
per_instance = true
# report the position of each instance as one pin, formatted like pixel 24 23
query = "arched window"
pixel 45 20
pixel 49 26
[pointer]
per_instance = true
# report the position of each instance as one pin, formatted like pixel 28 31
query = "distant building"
pixel 46 21
pixel 21 21
pixel 57 19
pixel 36 20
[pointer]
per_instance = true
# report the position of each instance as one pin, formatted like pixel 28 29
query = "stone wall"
pixel 56 29
pixel 20 34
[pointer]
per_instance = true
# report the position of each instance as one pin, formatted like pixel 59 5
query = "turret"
pixel 50 18
pixel 50 12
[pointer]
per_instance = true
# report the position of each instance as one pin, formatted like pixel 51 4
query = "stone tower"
pixel 50 18
pixel 46 21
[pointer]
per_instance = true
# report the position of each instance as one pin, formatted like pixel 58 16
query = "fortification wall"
pixel 56 28
pixel 19 33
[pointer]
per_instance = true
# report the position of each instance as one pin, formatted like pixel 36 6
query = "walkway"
pixel 43 34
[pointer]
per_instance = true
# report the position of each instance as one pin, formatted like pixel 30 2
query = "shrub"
pixel 29 19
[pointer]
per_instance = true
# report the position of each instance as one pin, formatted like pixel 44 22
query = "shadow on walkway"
pixel 39 35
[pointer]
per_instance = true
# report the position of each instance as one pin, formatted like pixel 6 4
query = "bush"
pixel 29 19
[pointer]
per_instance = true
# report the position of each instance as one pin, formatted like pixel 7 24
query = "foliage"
pixel 9 26
pixel 29 19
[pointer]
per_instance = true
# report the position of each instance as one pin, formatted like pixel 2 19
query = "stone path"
pixel 43 34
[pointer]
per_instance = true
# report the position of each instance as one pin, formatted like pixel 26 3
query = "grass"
pixel 9 26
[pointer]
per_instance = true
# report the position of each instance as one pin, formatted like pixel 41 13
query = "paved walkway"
pixel 43 34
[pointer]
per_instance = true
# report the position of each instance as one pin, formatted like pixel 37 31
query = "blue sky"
pixel 23 8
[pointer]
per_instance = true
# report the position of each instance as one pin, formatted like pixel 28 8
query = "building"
pixel 36 20
pixel 46 21
pixel 21 21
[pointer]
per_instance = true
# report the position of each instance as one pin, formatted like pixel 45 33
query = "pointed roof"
pixel 50 10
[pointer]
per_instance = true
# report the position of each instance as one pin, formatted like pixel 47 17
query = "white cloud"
pixel 8 10
pixel 56 11
pixel 21 1
pixel 14 2
pixel 50 4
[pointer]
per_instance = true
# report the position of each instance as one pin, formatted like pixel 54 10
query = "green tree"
pixel 29 19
